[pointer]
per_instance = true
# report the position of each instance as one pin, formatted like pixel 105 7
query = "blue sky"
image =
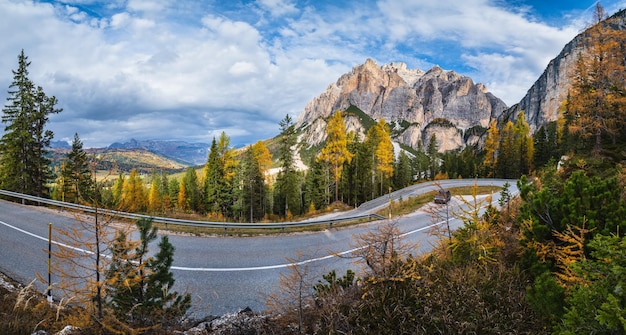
pixel 188 70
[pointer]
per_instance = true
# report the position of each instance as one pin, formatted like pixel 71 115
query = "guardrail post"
pixel 225 231
pixel 49 293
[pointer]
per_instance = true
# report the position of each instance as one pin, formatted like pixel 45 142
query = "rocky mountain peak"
pixel 435 70
pixel 416 103
pixel 410 76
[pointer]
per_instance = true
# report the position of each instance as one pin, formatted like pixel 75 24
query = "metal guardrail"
pixel 191 223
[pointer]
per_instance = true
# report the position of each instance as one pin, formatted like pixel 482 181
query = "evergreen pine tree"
pixel 525 144
pixel 166 305
pixel 76 182
pixel 166 200
pixel 213 179
pixel 507 165
pixel 287 197
pixel 192 190
pixel 433 156
pixel 402 175
pixel 140 286
pixel 24 166
pixel 117 189
pixel 364 170
pixel 315 191
pixel 541 147
pixel 252 187
pixel 219 172
pixel 173 187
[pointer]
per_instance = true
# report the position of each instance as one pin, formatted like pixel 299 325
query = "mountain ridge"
pixel 184 152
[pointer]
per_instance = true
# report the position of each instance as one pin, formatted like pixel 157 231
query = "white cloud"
pixel 278 7
pixel 188 70
pixel 507 47
pixel 148 6
pixel 120 20
pixel 242 68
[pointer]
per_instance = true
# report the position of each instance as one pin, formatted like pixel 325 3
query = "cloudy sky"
pixel 190 69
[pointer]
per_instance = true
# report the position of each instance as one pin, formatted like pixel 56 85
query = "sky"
pixel 191 69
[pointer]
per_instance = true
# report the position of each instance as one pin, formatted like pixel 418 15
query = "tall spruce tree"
pixel 433 156
pixel 350 182
pixel 219 172
pixel 525 144
pixel 213 179
pixel 24 166
pixel 362 170
pixel 507 165
pixel 403 174
pixel 192 189
pixel 252 187
pixel 315 190
pixel 76 182
pixel 287 199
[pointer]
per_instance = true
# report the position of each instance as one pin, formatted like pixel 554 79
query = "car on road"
pixel 442 197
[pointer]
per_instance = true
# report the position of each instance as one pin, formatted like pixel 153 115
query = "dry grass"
pixel 24 311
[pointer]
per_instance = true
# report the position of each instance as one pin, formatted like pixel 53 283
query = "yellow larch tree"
pixel 526 146
pixel 263 157
pixel 492 142
pixel 183 203
pixel 335 152
pixel 598 94
pixel 133 193
pixel 227 157
pixel 154 199
pixel 384 152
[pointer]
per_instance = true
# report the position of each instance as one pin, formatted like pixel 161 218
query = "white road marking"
pixel 252 268
pixel 45 239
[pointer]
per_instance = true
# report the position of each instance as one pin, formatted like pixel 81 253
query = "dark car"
pixel 442 197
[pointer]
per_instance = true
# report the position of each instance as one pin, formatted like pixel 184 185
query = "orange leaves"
pixel 566 251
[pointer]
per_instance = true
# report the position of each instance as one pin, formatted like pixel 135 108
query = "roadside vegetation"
pixel 551 261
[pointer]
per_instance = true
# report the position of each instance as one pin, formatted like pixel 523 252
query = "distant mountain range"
pixel 185 153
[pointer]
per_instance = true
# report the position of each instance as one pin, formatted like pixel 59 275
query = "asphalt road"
pixel 226 274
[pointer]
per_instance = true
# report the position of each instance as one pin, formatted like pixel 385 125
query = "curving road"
pixel 226 274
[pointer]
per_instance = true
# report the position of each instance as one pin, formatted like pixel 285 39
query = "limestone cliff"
pixel 542 101
pixel 415 103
